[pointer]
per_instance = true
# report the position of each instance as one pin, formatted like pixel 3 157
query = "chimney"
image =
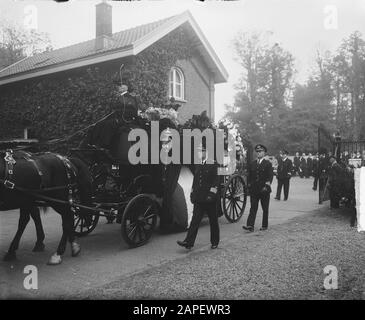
pixel 103 25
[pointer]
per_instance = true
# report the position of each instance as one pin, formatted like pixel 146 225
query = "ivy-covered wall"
pixel 59 105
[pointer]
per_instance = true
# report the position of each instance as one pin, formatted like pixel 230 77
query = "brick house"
pixel 190 81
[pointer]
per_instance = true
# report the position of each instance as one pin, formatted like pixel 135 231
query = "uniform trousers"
pixel 198 212
pixel 264 198
pixel 283 182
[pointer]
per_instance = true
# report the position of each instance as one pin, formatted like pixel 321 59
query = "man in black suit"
pixel 296 163
pixel 260 177
pixel 283 175
pixel 303 166
pixel 205 191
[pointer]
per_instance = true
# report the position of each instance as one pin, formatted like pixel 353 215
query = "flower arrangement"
pixel 201 122
pixel 229 127
pixel 156 114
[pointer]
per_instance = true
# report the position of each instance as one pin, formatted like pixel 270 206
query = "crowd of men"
pixel 305 165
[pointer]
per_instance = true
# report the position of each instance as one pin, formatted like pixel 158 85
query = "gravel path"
pixel 286 262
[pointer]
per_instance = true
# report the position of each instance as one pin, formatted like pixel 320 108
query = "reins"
pixel 35 194
pixel 78 131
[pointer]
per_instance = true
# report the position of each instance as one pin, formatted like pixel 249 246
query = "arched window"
pixel 176 84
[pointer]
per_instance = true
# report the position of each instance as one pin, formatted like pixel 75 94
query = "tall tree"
pixel 17 43
pixel 264 89
pixel 349 70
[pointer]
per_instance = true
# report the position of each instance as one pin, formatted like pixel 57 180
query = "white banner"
pixel 186 182
pixel 360 197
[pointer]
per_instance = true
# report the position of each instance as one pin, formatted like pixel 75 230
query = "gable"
pixel 122 44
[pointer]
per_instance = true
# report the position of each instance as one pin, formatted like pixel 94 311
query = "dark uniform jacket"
pixel 259 175
pixel 205 178
pixel 284 169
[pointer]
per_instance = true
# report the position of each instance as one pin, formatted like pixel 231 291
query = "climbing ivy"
pixel 60 105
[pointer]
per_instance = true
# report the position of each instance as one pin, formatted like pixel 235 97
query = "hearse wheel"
pixel 138 220
pixel 234 198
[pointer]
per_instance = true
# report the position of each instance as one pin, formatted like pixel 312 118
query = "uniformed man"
pixel 260 177
pixel 283 175
pixel 205 191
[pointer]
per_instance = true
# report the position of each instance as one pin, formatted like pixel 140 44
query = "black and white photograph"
pixel 182 155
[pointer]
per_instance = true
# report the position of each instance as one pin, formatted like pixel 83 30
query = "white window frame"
pixel 172 81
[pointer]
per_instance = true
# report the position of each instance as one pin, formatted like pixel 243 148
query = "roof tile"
pixel 84 49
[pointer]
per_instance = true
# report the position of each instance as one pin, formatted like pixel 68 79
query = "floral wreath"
pixel 232 128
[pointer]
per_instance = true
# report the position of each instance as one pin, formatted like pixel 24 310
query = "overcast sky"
pixel 300 26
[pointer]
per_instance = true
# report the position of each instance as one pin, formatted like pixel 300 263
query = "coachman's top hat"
pixel 260 147
pixel 118 83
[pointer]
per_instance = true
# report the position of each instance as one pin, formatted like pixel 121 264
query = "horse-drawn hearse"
pixel 137 195
pixel 94 181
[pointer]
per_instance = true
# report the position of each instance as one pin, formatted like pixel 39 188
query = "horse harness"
pixel 9 169
pixel 71 176
pixel 9 172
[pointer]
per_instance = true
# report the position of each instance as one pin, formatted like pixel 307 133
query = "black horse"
pixel 28 181
pixel 26 213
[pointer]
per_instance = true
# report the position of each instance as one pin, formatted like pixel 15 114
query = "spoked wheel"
pixel 138 220
pixel 80 226
pixel 234 198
